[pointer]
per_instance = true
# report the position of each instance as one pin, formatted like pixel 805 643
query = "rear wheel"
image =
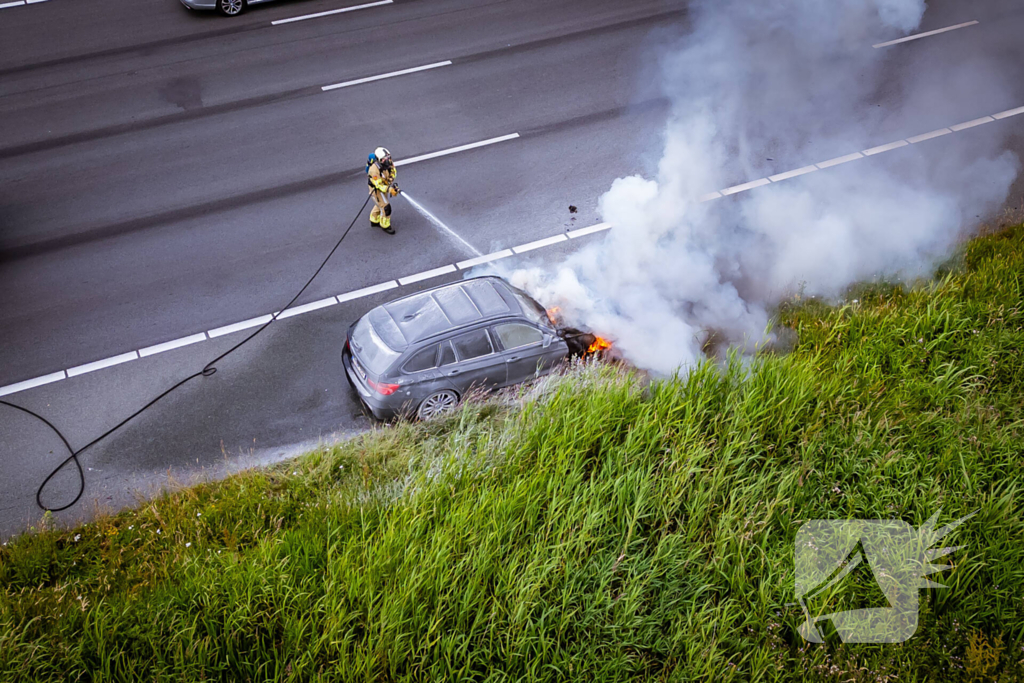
pixel 230 8
pixel 440 403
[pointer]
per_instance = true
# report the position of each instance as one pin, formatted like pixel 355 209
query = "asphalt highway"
pixel 165 172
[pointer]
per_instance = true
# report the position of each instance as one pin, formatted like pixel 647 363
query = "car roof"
pixel 419 316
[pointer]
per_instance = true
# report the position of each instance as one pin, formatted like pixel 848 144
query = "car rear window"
pixel 473 345
pixel 423 360
pixel 370 349
pixel 514 335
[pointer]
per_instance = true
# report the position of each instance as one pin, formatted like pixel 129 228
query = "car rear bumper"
pixel 381 407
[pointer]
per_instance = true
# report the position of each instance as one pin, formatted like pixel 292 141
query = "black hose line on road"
pixel 208 370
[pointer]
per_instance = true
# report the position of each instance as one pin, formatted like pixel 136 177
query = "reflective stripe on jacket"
pixel 379 180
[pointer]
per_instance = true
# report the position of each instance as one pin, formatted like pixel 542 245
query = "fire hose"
pixel 207 371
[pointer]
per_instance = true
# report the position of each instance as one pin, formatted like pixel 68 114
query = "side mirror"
pixel 547 340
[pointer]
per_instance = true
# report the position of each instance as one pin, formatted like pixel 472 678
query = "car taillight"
pixel 382 388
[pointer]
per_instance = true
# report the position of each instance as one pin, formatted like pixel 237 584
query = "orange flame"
pixel 600 344
pixel 555 315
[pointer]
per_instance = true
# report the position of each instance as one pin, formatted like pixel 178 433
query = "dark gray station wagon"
pixel 419 355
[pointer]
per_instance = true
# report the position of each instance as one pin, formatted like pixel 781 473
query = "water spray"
pixel 438 223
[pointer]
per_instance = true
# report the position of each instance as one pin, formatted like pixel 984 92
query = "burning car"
pixel 420 354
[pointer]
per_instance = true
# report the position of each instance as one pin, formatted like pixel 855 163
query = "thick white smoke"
pixel 756 88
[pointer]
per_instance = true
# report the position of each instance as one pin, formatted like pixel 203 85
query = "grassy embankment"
pixel 605 530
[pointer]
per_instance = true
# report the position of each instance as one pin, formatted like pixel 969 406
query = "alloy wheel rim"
pixel 233 6
pixel 437 404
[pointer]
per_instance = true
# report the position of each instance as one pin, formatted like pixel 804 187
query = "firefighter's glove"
pixel 394 190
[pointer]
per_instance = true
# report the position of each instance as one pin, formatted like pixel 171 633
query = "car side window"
pixel 472 345
pixel 515 335
pixel 422 360
pixel 447 356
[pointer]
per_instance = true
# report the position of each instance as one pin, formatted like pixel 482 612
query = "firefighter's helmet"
pixel 383 156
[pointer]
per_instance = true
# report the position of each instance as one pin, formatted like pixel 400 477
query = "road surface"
pixel 166 173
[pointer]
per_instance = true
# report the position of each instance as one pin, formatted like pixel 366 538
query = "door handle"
pixel 452 372
pixel 512 359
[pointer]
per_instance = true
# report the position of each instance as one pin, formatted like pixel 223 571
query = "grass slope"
pixel 609 529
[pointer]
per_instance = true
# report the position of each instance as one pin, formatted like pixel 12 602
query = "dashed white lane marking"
pixel 546 242
pixel 885 148
pixel 330 12
pixel 371 79
pixel 486 258
pixel 454 150
pixel 171 345
pixel 745 186
pixel 924 35
pixel 100 364
pixel 238 327
pixel 5 5
pixel 971 124
pixel 306 308
pixel 580 232
pixel 928 136
pixel 792 174
pixel 32 383
pixel 860 155
pixel 839 160
pixel 426 275
pixel 1008 113
pixel 367 291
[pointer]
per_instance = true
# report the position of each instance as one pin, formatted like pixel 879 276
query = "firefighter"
pixel 380 175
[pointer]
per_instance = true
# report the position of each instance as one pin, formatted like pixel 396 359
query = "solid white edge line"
pixel 306 308
pixel 928 136
pixel 971 124
pixel 367 291
pixel 1008 113
pixel 839 160
pixel 32 383
pixel 453 150
pixel 371 79
pixel 924 35
pixel 171 345
pixel 546 242
pixel 426 275
pixel 330 12
pixel 101 364
pixel 709 196
pixel 581 232
pixel 779 177
pixel 744 187
pixel 12 4
pixel 486 258
pixel 885 148
pixel 238 327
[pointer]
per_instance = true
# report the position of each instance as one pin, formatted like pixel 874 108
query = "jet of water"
pixel 439 224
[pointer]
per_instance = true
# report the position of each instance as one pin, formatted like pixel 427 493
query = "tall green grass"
pixel 599 527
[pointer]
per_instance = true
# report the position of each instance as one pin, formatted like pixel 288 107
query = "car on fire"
pixel 420 355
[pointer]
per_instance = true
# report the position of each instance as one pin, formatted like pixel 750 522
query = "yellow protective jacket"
pixel 379 179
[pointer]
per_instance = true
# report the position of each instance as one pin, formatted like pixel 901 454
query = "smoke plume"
pixel 757 88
